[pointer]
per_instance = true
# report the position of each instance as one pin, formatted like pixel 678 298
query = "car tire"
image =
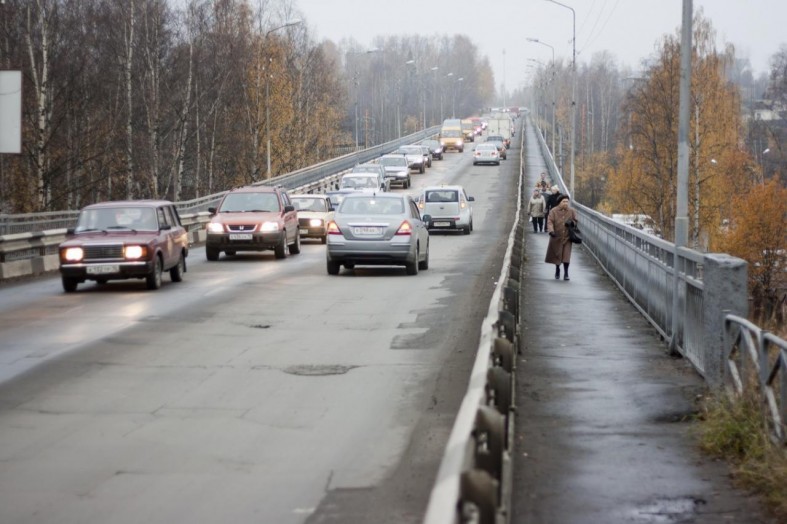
pixel 176 273
pixel 333 267
pixel 412 267
pixel 70 284
pixel 212 254
pixel 153 280
pixel 424 264
pixel 295 247
pixel 462 150
pixel 466 230
pixel 280 251
pixel 324 239
pixel 471 224
pixel 422 169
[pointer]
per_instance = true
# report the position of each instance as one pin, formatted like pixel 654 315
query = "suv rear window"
pixel 443 195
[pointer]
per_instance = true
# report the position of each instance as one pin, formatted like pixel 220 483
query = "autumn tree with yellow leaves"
pixel 644 177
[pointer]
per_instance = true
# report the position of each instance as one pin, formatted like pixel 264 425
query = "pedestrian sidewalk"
pixel 604 415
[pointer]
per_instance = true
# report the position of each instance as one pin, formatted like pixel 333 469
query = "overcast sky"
pixel 629 29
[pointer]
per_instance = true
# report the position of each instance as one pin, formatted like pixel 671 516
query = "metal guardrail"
pixel 644 268
pixel 32 222
pixel 474 481
pixel 754 355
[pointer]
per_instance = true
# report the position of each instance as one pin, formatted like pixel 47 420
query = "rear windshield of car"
pixel 309 204
pixel 359 182
pixel 366 169
pixel 106 218
pixel 249 202
pixel 372 206
pixel 393 161
pixel 443 195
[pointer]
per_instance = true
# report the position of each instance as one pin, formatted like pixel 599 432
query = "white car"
pixel 448 208
pixel 486 154
pixel 314 212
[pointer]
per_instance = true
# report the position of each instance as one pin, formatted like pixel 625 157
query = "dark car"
pixel 124 239
pixel 435 147
pixel 253 218
pixel 501 145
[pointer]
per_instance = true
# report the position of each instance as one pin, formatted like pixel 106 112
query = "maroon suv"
pixel 125 239
pixel 253 218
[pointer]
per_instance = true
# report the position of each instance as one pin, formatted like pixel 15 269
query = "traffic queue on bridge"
pixel 363 221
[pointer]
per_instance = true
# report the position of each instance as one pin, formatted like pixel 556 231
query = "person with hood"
pixel 535 210
pixel 551 201
pixel 558 222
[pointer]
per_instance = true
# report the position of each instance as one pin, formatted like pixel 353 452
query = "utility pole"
pixel 682 204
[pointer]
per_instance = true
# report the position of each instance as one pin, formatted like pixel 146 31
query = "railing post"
pixel 724 291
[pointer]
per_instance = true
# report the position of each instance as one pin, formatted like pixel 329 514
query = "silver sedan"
pixel 382 230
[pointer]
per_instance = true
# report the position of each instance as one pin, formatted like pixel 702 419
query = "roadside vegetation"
pixel 734 429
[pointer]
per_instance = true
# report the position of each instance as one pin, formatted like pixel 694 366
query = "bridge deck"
pixel 604 416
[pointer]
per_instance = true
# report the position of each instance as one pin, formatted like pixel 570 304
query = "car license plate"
pixel 102 270
pixel 442 224
pixel 240 236
pixel 304 231
pixel 367 231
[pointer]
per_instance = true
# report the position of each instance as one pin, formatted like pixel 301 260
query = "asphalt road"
pixel 256 390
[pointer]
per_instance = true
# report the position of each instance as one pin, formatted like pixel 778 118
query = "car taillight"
pixel 333 229
pixel 405 229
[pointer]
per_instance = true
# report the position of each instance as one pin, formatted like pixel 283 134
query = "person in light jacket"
pixel 559 249
pixel 535 210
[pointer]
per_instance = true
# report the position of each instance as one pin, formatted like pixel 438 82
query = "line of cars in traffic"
pixel 362 222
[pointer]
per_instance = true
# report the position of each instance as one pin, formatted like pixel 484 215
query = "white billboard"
pixel 10 112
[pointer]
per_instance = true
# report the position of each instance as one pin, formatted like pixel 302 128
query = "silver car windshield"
pixel 372 206
pixel 393 161
pixel 309 204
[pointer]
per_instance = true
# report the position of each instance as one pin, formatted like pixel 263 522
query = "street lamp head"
pixel 435 68
pixel 536 40
pixel 410 62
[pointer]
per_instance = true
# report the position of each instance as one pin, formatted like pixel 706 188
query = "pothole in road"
pixel 672 510
pixel 318 371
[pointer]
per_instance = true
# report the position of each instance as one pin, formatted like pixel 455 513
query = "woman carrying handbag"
pixel 560 219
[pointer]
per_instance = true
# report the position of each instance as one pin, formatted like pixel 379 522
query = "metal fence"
pixel 474 482
pixel 756 359
pixel 645 268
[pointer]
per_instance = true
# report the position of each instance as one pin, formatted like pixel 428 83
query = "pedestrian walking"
pixel 535 210
pixel 551 201
pixel 558 222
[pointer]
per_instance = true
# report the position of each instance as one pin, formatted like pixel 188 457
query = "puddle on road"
pixel 672 511
pixel 318 371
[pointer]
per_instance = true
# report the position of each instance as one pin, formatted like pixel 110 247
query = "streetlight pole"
pixel 573 88
pixel 453 100
pixel 449 75
pixel 682 204
pixel 552 66
pixel 268 173
pixel 434 91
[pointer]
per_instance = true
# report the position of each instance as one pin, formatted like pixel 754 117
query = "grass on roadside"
pixel 735 430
